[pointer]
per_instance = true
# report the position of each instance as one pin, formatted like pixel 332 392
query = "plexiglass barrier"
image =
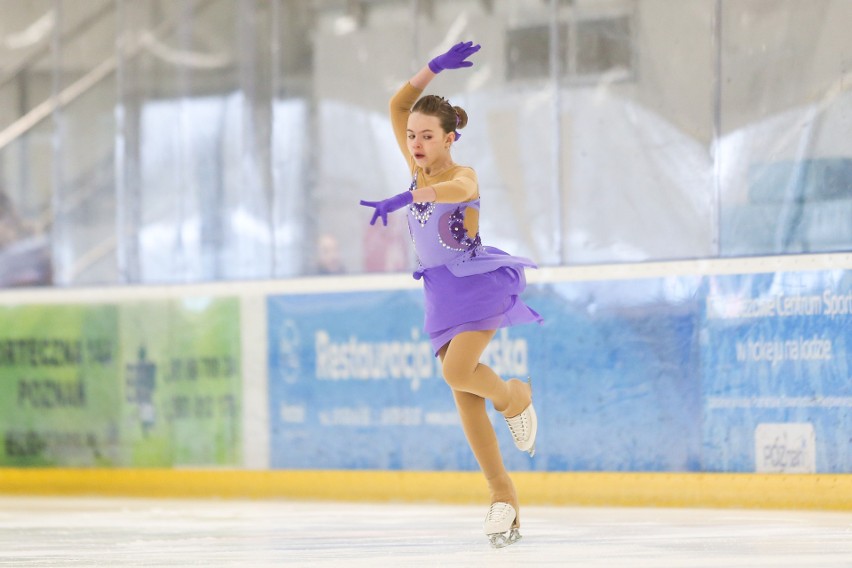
pixel 204 140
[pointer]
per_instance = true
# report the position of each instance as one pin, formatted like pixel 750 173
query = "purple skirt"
pixel 486 301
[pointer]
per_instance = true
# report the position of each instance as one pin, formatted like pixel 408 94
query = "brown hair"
pixel 451 117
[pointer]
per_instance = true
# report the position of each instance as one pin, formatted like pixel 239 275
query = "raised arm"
pixel 401 103
pixel 400 107
pixel 457 189
pixel 405 97
pixel 422 78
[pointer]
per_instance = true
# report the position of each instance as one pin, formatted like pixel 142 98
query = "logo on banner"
pixel 140 379
pixel 289 343
pixel 785 448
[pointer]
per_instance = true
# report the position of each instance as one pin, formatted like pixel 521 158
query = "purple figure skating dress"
pixel 468 286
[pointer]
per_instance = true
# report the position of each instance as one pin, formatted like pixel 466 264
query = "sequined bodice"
pixel 444 233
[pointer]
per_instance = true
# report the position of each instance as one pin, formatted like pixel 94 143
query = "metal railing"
pixel 127 47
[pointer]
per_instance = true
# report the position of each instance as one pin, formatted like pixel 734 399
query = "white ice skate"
pixel 524 427
pixel 498 525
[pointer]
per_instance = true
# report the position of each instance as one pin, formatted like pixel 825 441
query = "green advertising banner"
pixel 182 382
pixel 144 384
pixel 59 398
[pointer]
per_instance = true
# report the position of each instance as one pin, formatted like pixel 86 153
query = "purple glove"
pixel 388 205
pixel 455 57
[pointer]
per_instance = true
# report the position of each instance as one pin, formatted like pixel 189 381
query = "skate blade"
pixel 502 540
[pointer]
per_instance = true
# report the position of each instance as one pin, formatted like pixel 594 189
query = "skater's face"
pixel 428 144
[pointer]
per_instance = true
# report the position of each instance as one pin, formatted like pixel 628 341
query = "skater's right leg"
pixel 486 449
pixel 483 442
pixel 503 518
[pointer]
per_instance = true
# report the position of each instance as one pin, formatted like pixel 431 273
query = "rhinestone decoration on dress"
pixel 452 234
pixel 421 211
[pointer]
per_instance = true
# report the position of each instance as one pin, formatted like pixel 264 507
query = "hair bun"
pixel 462 117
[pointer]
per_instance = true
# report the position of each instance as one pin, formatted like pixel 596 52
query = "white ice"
pixel 134 532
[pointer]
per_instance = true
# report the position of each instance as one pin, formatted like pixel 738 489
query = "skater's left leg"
pixel 513 398
pixel 463 372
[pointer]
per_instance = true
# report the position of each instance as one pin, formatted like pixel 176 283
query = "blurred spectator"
pixel 329 260
pixel 12 228
pixel 387 249
pixel 24 254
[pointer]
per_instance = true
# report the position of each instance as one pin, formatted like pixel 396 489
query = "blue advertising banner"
pixel 777 364
pixel 353 382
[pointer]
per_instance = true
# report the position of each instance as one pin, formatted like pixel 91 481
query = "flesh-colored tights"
pixel 472 383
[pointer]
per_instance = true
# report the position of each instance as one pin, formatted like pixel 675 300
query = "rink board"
pixel 714 382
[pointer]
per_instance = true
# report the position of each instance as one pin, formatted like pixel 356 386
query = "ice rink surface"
pixel 135 532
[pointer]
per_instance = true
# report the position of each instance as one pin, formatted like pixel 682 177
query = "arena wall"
pixel 698 383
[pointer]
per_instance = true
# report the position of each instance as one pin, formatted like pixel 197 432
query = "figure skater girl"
pixel 471 290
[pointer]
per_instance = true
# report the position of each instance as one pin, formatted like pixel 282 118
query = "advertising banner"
pixel 181 382
pixel 354 384
pixel 777 366
pixel 59 398
pixel 153 383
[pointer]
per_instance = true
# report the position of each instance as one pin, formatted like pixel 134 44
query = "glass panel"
pixel 25 183
pixel 83 232
pixel 293 146
pixel 636 128
pixel 360 58
pixel 202 140
pixel 195 140
pixel 786 151
pixel 172 125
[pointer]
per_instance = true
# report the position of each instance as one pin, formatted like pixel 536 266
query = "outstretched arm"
pixel 463 187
